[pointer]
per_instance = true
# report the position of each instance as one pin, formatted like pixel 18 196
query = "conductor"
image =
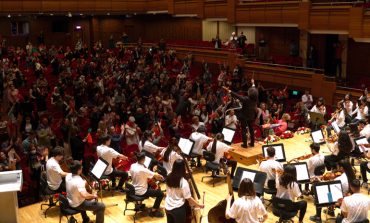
pixel 248 112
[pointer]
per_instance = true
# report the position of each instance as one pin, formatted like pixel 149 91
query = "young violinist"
pixel 248 207
pixel 354 207
pixel 313 162
pixel 170 155
pixel 319 107
pixel 178 192
pixel 270 165
pixel 288 188
pixel 108 153
pixel 54 173
pixel 361 111
pixel 339 150
pixel 146 145
pixel 140 175
pixel 338 117
pixel 200 139
pixel 79 198
pixel 219 148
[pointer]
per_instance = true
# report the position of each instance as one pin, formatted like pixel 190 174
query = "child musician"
pixel 140 175
pixel 178 192
pixel 219 148
pixel 287 188
pixel 270 165
pixel 248 207
pixel 170 155
pixel 313 162
pixel 79 198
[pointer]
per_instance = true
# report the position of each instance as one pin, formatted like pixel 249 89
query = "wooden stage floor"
pixel 294 147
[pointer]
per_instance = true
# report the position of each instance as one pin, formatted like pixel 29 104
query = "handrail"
pixel 288 66
pixel 336 2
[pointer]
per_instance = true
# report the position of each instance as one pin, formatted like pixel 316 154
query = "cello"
pixel 218 212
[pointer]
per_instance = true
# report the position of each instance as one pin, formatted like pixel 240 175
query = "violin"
pixel 328 176
pixel 299 158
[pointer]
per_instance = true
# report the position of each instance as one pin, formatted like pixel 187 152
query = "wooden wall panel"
pixel 356 22
pixel 358 64
pixel 188 7
pixel 215 10
pixel 329 18
pixel 156 5
pixel 10 6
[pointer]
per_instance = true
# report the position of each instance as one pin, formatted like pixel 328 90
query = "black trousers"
pixel 300 206
pixel 364 170
pixel 122 177
pixel 158 194
pixel 232 164
pixel 177 215
pixel 331 161
pixel 244 124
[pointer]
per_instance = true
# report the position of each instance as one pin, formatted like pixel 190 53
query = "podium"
pixel 10 183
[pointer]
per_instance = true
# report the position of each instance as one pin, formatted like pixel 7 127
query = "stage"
pixel 246 156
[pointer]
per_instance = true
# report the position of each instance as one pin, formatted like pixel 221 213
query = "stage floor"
pixel 294 147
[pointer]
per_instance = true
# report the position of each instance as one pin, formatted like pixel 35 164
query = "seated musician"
pixel 140 175
pixel 147 146
pixel 364 129
pixel 248 207
pixel 354 207
pixel 79 198
pixel 361 111
pixel 347 176
pixel 178 192
pixel 170 155
pixel 270 165
pixel 108 154
pixel 319 107
pixel 339 150
pixel 219 148
pixel 338 117
pixel 365 165
pixel 288 188
pixel 313 162
pixel 54 173
pixel 200 139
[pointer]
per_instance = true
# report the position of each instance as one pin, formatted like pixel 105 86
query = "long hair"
pixel 169 149
pixel 344 142
pixel 289 176
pixel 219 136
pixel 145 137
pixel 178 172
pixel 348 170
pixel 246 188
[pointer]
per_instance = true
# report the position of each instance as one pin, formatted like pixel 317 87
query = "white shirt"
pixel 333 147
pixel 357 206
pixel 348 106
pixel 221 148
pixel 317 110
pixel 341 119
pixel 199 141
pixel 173 156
pixel 107 154
pixel 75 185
pixel 344 181
pixel 176 197
pixel 268 166
pixel 230 121
pixel 307 100
pixel 149 147
pixel 365 131
pixel 53 173
pixel 140 175
pixel 361 114
pixel 313 162
pixel 247 209
pixel 291 192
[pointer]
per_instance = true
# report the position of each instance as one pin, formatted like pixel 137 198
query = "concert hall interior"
pixel 186 111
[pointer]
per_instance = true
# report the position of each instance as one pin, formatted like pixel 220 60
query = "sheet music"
pixel 335 127
pixel 302 173
pixel 322 194
pixel 279 155
pixel 185 145
pixel 99 169
pixel 147 161
pixel 336 191
pixel 228 134
pixel 362 141
pixel 317 136
pixel 247 174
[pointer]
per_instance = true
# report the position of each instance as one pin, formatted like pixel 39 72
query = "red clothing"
pixel 282 128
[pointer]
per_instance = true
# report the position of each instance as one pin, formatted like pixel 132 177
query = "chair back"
pixel 319 170
pixel 282 204
pixel 271 184
pixel 209 156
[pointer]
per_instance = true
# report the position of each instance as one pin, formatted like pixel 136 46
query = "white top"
pixel 307 100
pixel 149 147
pixel 107 154
pixel 75 185
pixel 221 148
pixel 176 197
pixel 171 159
pixel 290 193
pixel 140 175
pixel 344 181
pixel 313 162
pixel 348 106
pixel 361 113
pixel 199 141
pixel 267 166
pixel 230 121
pixel 247 209
pixel 365 131
pixel 333 147
pixel 341 119
pixel 357 206
pixel 317 110
pixel 53 173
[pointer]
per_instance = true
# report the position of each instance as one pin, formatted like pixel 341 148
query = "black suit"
pixel 247 115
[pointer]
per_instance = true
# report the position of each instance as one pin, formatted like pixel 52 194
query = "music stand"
pixel 317 119
pixel 327 193
pixel 228 135
pixel 318 137
pixel 361 141
pixel 257 177
pixel 186 146
pixel 279 151
pixel 97 172
pixel 303 176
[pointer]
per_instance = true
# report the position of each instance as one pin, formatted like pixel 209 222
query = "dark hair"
pixel 201 129
pixel 253 94
pixel 270 151
pixel 321 99
pixel 104 139
pixel 289 176
pixel 146 136
pixel 348 170
pixel 344 142
pixel 355 183
pixel 315 147
pixel 178 172
pixel 57 151
pixel 140 156
pixel 75 166
pixel 171 146
pixel 246 188
pixel 219 136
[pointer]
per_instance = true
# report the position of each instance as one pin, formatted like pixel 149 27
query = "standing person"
pixel 248 207
pixel 54 172
pixel 107 153
pixel 242 39
pixel 249 111
pixel 307 99
pixel 178 193
pixel 79 198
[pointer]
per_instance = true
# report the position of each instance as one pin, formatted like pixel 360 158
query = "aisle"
pixel 294 147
